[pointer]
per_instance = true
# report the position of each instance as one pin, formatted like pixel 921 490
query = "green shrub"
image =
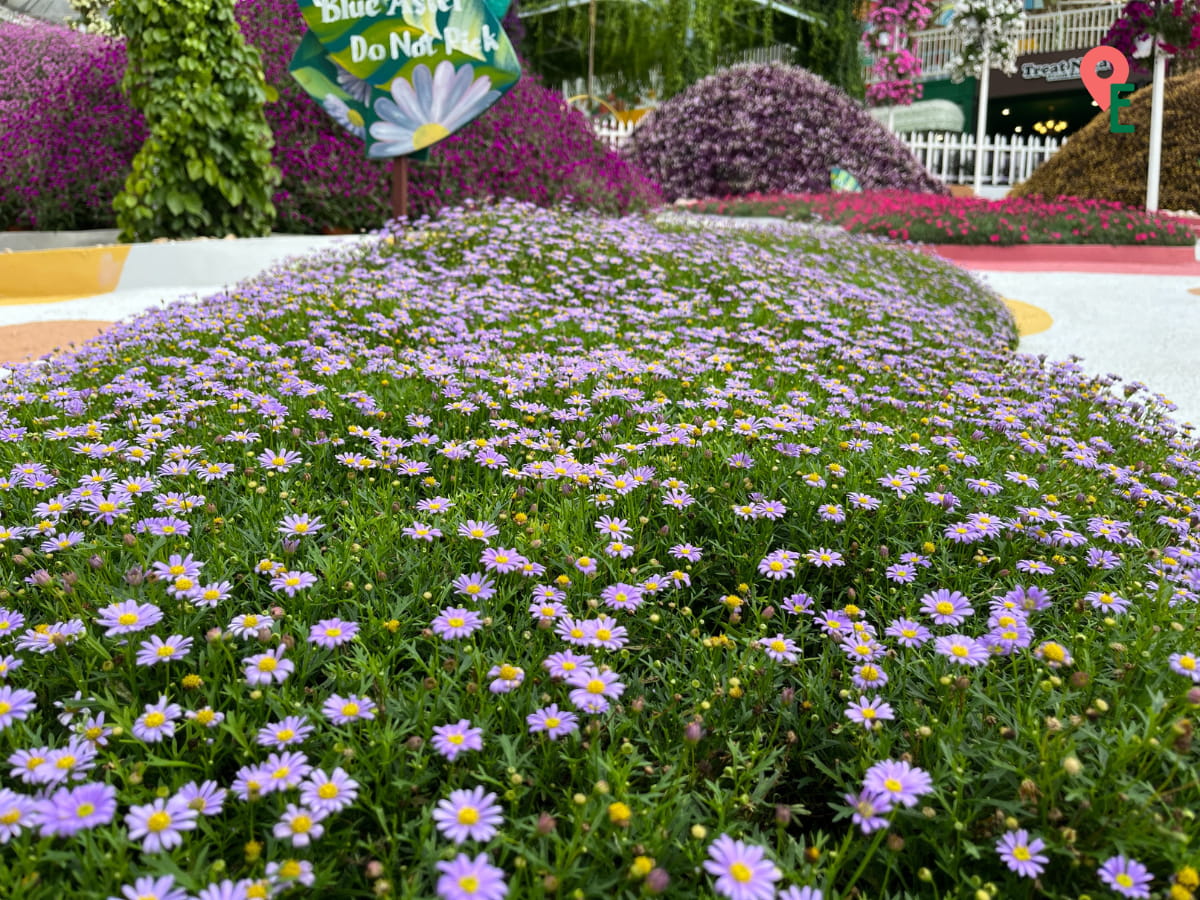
pixel 205 168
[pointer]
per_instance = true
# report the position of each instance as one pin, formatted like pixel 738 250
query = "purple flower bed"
pixel 770 129
pixel 75 135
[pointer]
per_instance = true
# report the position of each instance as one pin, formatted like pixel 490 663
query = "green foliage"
pixel 205 168
pixel 666 45
pixel 93 16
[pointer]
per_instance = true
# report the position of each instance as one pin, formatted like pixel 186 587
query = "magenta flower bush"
pixel 68 133
pixel 73 136
pixel 769 129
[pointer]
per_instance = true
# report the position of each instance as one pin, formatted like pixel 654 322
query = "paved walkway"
pixel 1142 327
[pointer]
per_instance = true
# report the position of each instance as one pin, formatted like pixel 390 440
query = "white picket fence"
pixel 1008 160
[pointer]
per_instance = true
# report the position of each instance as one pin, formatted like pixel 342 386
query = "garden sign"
pixel 404 74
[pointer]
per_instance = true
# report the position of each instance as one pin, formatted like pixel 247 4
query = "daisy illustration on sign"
pixel 404 74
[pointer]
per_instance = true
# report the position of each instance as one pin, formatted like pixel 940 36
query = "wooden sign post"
pixel 400 188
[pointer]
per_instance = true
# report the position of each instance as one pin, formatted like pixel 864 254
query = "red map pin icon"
pixel 1097 85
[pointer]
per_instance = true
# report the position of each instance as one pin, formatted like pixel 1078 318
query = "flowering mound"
pixel 534 554
pixel 70 137
pixel 965 220
pixel 769 129
pixel 1100 165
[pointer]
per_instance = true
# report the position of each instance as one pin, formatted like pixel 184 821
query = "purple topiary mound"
pixel 770 129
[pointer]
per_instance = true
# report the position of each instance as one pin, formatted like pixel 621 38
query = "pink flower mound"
pixel 770 129
pixel 68 133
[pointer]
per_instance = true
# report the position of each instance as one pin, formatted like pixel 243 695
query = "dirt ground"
pixel 23 342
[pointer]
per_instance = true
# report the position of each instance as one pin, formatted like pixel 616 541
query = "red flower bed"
pixel 932 219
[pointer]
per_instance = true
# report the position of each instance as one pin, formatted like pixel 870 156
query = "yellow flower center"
pixel 595 686
pixel 127 618
pixel 507 672
pixel 603 634
pixel 553 721
pixel 165 650
pixel 778 646
pixel 83 810
pixel 350 709
pixel 333 632
pixel 327 791
pixel 469 884
pixel 290 869
pixel 455 739
pixel 944 607
pixel 11 817
pixel 892 785
pixel 740 872
pixel 285 734
pixel 154 719
pixel 65 762
pixel 267 664
pixel 159 821
pixel 1021 853
pixel 456 622
pixel 1124 880
pixel 302 824
pixel 468 815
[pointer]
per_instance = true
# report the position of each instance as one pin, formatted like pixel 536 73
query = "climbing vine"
pixel 205 167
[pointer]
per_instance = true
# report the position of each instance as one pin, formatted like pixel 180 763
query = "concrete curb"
pixel 71 273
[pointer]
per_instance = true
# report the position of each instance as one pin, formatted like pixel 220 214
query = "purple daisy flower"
pixel 266 668
pixel 128 617
pixel 824 557
pixel 284 771
pixel 160 825
pixel 476 585
pixel 330 633
pixel 161 887
pixel 292 730
pixel 779 648
pixel 328 793
pixel 15 705
pixel 962 650
pixel 742 871
pixel 278 460
pixel 866 807
pixel 206 798
pixel 17 812
pixel 454 622
pixel 908 633
pixel 1185 664
pixel 501 559
pixel 463 878
pixel 70 810
pixel 897 780
pixel 299 825
pixel 478 531
pixel 1127 877
pixel 157 723
pixel 344 710
pixel 593 689
pixel 157 650
pixel 451 740
pixel 946 607
pixel 291 582
pixel 553 721
pixel 869 713
pixel 468 815
pixel 564 664
pixel 300 525
pixel 1021 854
pixel 505 678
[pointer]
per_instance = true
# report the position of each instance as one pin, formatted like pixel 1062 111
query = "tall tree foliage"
pixel 665 45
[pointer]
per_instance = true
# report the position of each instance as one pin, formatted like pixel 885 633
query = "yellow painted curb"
pixel 1030 319
pixel 50 276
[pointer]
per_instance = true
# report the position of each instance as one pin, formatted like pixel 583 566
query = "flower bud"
pixel 657 880
pixel 134 576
